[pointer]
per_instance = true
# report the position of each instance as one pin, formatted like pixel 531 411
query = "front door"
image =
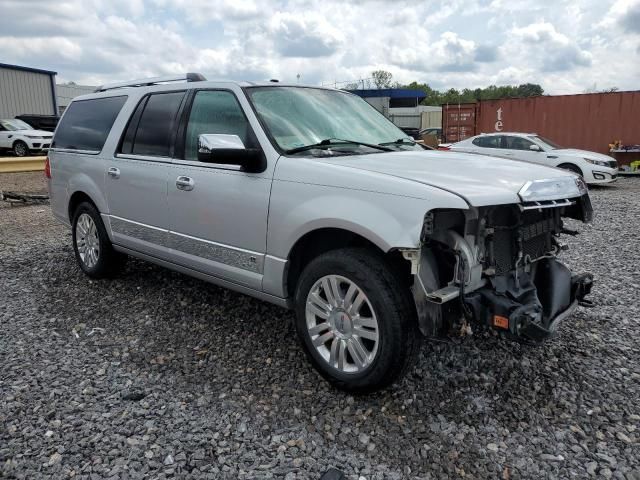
pixel 138 173
pixel 218 212
pixel 520 149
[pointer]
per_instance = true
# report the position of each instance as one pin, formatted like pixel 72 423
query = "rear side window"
pixel 86 123
pixel 153 124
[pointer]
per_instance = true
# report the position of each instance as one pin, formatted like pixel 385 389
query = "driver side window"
pixel 518 143
pixel 215 111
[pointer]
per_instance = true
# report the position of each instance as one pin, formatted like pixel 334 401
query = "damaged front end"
pixel 497 265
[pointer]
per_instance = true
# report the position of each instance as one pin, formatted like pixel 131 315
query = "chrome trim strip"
pixel 551 204
pixel 225 254
pixel 137 230
pixel 282 302
pixel 141 158
pixel 73 150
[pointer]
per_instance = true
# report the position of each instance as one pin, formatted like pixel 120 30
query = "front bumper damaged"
pixel 531 307
pixel 497 266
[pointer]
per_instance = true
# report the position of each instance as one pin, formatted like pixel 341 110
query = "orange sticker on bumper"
pixel 501 322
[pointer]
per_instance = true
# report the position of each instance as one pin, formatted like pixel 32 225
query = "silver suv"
pixel 310 199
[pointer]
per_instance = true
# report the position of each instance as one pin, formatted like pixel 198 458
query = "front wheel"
pixel 356 320
pixel 20 149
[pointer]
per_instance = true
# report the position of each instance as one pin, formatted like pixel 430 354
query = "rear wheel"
pixel 356 320
pixel 91 244
pixel 20 149
pixel 571 167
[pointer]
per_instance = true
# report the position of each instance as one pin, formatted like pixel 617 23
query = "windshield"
pixel 297 117
pixel 546 142
pixel 13 125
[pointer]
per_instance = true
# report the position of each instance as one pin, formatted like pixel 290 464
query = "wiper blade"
pixel 329 142
pixel 400 141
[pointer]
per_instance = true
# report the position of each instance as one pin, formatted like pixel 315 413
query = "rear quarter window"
pixel 86 123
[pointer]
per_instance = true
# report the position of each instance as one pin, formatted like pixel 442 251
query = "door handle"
pixel 113 172
pixel 185 183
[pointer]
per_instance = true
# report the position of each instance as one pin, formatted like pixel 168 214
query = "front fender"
pixel 389 221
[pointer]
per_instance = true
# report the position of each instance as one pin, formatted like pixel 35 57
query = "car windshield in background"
pixel 299 117
pixel 547 143
pixel 14 125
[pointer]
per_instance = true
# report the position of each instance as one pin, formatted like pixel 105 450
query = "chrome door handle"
pixel 185 183
pixel 113 172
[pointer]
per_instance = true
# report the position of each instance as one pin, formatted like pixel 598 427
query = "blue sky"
pixel 566 46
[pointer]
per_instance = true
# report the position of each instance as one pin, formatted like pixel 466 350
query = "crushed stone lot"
pixel 156 375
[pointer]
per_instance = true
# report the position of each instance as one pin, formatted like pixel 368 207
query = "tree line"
pixel 384 79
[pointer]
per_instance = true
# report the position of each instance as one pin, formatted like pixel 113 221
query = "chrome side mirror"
pixel 229 150
pixel 209 142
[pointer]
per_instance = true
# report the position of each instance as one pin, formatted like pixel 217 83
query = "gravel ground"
pixel 156 375
pixel 26 182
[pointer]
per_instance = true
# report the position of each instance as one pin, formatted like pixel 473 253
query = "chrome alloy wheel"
pixel 342 324
pixel 87 240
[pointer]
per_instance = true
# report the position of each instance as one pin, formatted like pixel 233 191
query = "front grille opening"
pixel 530 231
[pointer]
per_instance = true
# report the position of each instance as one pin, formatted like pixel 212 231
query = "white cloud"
pixel 565 45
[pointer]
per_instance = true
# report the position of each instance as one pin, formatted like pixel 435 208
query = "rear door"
pixel 137 175
pixel 219 223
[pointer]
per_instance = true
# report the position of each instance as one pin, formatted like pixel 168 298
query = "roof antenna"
pixel 274 80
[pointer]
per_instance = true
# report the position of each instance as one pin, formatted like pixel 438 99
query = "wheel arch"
pixel 566 165
pixel 324 239
pixel 76 199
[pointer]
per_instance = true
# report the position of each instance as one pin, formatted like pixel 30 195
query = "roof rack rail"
pixel 145 82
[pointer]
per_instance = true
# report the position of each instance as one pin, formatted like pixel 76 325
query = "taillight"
pixel 47 168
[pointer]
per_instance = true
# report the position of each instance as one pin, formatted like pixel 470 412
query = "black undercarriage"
pixel 510 279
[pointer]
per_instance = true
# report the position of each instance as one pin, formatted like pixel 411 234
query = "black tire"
pixel 572 168
pixel 109 262
pixel 391 300
pixel 20 149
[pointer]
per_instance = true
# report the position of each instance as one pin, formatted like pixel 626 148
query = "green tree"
pixel 382 78
pixel 467 95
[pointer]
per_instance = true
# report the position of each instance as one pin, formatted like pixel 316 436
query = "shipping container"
pixel 589 121
pixel 458 122
pixel 586 121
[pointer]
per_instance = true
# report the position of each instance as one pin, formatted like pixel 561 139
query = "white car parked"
pixel 529 147
pixel 22 138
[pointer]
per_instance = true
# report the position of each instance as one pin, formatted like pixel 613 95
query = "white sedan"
pixel 528 147
pixel 22 138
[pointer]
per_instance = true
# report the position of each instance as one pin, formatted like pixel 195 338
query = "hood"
pixel 39 133
pixel 574 152
pixel 479 179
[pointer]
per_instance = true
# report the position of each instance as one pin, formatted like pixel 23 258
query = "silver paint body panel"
pixel 237 229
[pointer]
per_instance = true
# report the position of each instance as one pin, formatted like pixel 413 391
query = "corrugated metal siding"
pixel 588 121
pixel 66 93
pixel 432 119
pixel 24 92
pixel 379 103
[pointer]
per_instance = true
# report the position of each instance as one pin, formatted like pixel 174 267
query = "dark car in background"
pixel 40 122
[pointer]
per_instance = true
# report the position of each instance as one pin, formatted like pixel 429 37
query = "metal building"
pixel 402 107
pixel 25 90
pixel 68 91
